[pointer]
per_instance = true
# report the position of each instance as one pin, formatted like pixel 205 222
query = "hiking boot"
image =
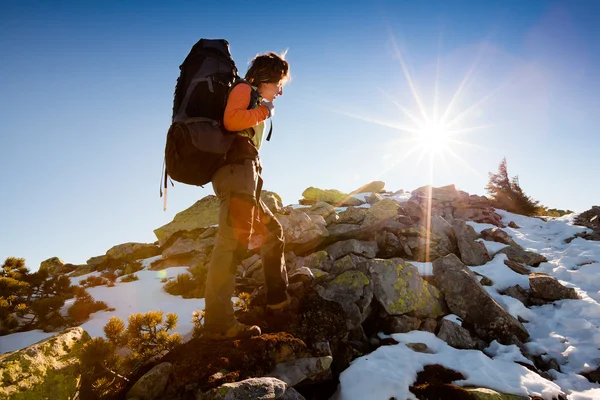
pixel 237 331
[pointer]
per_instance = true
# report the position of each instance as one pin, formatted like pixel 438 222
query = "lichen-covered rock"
pixel 546 287
pixel 152 385
pixel 319 260
pixel 129 252
pixel 352 290
pixel 272 200
pixel 48 369
pixel 295 371
pixel 497 235
pixel 401 324
pixel 489 394
pixel 467 299
pixel 321 208
pixel 203 213
pixel 373 187
pixel 313 195
pixel 53 265
pixel 380 211
pixel 399 289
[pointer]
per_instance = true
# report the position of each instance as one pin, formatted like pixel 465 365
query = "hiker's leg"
pixel 236 196
pixel 272 256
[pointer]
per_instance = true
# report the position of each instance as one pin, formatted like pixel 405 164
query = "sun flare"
pixel 433 138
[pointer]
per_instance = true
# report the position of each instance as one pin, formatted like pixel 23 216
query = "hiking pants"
pixel 240 211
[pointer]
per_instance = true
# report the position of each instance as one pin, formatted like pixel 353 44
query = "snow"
pixel 492 247
pixel 566 330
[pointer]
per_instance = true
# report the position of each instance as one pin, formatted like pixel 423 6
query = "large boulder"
pixel 441 194
pixel 129 252
pixel 272 200
pixel 373 187
pixel 467 299
pixel 497 235
pixel 313 195
pixel 352 246
pixel 546 287
pixel 380 211
pixel 52 265
pixel 399 289
pixel 458 337
pixel 471 251
pixel 48 369
pixel 303 232
pixel 203 213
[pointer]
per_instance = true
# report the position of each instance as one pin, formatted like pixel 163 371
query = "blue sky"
pixel 86 94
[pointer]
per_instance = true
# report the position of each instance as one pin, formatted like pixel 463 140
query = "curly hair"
pixel 268 67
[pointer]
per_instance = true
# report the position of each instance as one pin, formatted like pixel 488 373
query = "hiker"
pixel 237 185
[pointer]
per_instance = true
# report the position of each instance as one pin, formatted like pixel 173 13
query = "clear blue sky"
pixel 86 95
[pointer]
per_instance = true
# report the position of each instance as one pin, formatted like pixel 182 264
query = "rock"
pixel 53 265
pixel 373 187
pixel 389 245
pixel 497 235
pixel 546 287
pixel 518 254
pixel 441 194
pixel 183 246
pixel 300 275
pixel 467 299
pixel 152 385
pixel 272 200
pixel 332 196
pixel 303 232
pixel 420 348
pixel 373 198
pixel 265 388
pixel 323 209
pixel 518 293
pixel 352 290
pixel 429 325
pixel 592 376
pixel 203 213
pixel 513 225
pixel 352 246
pixel 457 336
pixel 94 262
pixel 471 251
pixel 380 211
pixel 130 252
pixel 48 369
pixel 414 210
pixel 518 268
pixel 352 215
pixel 399 289
pixel 346 263
pixel 295 371
pixel 180 260
pixel 401 324
pixel 489 394
pixel 319 260
pixel 343 230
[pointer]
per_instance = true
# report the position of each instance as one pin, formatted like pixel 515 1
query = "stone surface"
pixel 373 187
pixel 456 336
pixel 399 289
pixel 152 385
pixel 351 246
pixel 332 196
pixel 48 369
pixel 380 211
pixel 265 388
pixel 471 252
pixel 129 252
pixel 303 232
pixel 497 235
pixel 203 213
pixel 546 287
pixel 517 254
pixel 295 371
pixel 467 299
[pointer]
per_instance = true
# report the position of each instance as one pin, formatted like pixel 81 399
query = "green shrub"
pixel 508 195
pixel 92 281
pixel 198 321
pixel 130 269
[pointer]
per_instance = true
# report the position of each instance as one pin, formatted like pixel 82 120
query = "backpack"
pixel 197 142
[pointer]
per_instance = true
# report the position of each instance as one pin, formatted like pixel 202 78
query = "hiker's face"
pixel 270 90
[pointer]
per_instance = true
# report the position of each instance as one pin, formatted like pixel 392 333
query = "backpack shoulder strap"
pixel 254 96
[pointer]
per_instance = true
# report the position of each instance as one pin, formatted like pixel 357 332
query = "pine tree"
pixel 507 194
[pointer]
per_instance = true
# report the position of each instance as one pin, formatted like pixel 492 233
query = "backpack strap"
pixel 254 100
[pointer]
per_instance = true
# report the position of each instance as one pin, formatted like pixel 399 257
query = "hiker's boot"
pixel 280 307
pixel 236 331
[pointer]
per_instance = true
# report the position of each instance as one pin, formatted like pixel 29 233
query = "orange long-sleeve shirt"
pixel 237 117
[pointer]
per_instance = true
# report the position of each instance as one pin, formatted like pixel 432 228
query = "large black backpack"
pixel 197 141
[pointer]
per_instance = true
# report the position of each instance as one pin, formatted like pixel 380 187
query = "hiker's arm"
pixel 237 117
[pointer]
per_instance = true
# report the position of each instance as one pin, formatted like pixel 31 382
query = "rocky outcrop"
pixel 314 195
pixel 48 369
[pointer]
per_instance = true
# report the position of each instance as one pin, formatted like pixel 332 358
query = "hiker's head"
pixel 268 72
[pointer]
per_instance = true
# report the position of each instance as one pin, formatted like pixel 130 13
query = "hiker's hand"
pixel 269 106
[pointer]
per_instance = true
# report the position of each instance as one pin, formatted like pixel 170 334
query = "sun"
pixel 433 138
